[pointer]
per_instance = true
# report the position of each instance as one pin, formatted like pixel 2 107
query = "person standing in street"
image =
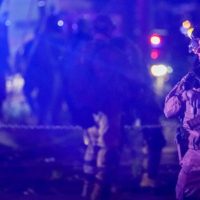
pixel 183 101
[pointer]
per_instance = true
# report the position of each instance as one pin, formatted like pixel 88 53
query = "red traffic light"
pixel 155 54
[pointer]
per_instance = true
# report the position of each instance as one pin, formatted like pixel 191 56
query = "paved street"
pixel 47 164
pixel 44 163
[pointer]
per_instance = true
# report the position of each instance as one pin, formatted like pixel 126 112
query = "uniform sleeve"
pixel 173 101
pixel 172 106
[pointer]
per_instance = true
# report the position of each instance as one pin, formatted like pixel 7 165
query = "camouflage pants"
pixel 188 184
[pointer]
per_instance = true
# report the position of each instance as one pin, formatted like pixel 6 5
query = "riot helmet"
pixel 194 46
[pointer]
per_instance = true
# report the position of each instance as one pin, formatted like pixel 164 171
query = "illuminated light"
pixel 154 54
pixel 7 22
pixel 155 39
pixel 18 82
pixel 60 23
pixel 41 3
pixel 186 24
pixel 169 69
pixel 189 32
pixel 159 70
pixel 14 83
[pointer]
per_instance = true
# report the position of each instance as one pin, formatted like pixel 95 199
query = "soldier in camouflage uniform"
pixel 184 100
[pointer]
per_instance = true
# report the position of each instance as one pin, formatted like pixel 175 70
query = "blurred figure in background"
pixel 140 103
pixel 183 101
pixel 98 88
pixel 44 79
pixel 142 106
pixel 150 113
pixel 75 74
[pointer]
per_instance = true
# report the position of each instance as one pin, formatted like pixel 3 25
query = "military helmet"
pixel 194 45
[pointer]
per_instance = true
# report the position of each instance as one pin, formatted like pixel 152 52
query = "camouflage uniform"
pixel 178 102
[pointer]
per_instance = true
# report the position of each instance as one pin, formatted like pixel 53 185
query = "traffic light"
pixel 158 61
pixel 155 40
pixel 158 46
pixel 155 54
pixel 156 43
